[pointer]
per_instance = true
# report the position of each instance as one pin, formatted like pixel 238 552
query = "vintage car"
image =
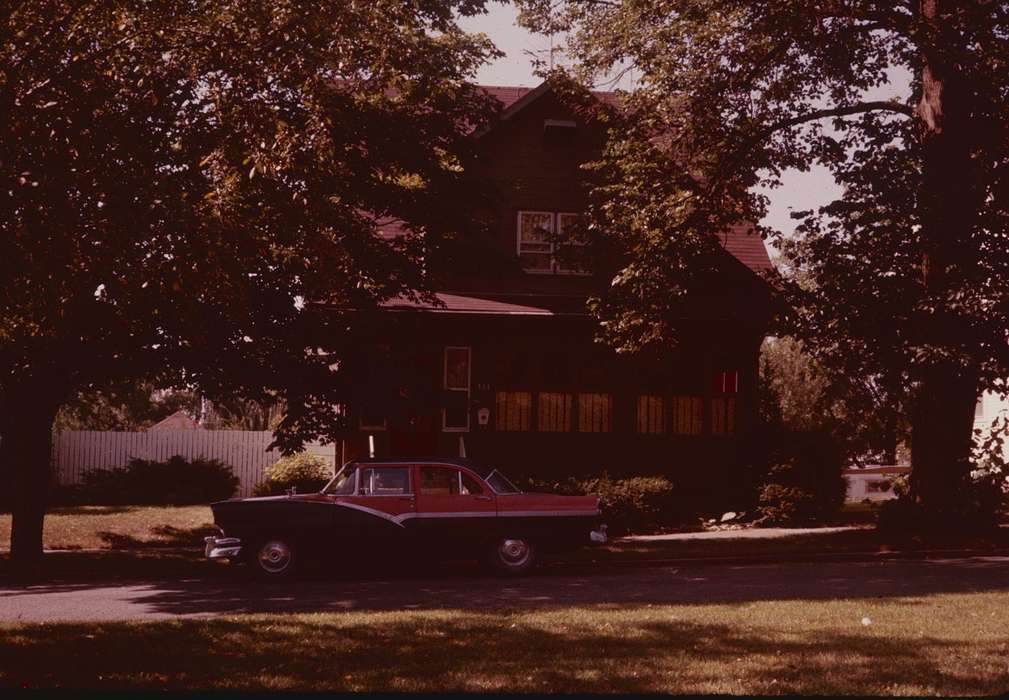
pixel 439 507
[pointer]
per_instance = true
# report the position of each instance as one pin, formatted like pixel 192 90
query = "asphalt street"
pixel 467 589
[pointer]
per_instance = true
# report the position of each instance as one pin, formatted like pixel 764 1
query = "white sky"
pixel 799 190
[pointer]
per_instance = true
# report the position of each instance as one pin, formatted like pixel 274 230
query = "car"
pixel 380 508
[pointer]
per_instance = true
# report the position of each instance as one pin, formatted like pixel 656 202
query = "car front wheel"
pixel 274 558
pixel 512 555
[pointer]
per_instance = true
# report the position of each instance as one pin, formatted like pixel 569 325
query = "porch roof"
pixel 494 305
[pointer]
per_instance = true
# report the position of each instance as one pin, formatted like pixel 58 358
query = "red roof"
pixel 747 246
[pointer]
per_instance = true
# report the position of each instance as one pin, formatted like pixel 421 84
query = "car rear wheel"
pixel 274 558
pixel 511 555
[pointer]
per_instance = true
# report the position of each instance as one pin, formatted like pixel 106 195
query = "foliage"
pixel 243 414
pixel 903 279
pixel 804 482
pixel 123 406
pixel 194 191
pixel 860 414
pixel 630 505
pixel 175 482
pixel 305 472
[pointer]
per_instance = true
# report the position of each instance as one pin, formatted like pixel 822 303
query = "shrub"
pixel 804 482
pixel 175 482
pixel 631 505
pixel 305 472
pixel 976 509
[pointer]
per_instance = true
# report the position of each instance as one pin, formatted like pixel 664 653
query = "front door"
pixel 453 507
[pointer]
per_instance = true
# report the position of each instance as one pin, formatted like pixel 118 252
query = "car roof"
pixel 482 470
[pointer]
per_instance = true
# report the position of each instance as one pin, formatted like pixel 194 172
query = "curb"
pixel 808 558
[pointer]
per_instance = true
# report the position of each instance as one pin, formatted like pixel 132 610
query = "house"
pixel 872 483
pixel 180 420
pixel 504 366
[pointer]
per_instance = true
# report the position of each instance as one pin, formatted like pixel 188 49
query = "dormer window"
pixel 544 246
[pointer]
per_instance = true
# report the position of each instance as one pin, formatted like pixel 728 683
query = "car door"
pixel 454 507
pixel 382 501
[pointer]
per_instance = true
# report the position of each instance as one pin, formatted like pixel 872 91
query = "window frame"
pixel 518 241
pixel 558 270
pixel 468 390
pixel 409 481
pixel 555 233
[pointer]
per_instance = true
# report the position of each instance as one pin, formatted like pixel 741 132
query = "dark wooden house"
pixel 507 365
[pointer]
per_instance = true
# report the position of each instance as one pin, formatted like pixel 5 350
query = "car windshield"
pixel 342 484
pixel 500 484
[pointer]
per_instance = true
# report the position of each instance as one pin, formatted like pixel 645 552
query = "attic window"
pixel 559 131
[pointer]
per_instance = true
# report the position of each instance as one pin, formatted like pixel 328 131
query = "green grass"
pixel 950 644
pixel 120 527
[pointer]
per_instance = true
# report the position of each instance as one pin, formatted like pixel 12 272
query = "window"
pixel 343 484
pixel 513 410
pixel 500 484
pixel 455 414
pixel 372 420
pixel 594 413
pixel 651 416
pixel 570 258
pixel 469 485
pixel 688 415
pixel 535 241
pixel 435 481
pixel 543 244
pixel 723 402
pixel 384 481
pixel 554 413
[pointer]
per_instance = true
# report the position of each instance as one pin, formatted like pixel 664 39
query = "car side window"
pixel 436 481
pixel 470 487
pixel 384 481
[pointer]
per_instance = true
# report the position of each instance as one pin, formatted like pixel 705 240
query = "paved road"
pixel 463 588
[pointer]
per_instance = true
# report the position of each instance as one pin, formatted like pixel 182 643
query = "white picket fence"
pixel 77 451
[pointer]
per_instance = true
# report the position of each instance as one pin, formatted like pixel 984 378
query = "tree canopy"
pixel 908 270
pixel 184 178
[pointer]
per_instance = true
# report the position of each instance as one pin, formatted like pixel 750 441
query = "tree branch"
pixel 843 111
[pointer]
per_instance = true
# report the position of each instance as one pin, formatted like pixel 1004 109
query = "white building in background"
pixel 990 407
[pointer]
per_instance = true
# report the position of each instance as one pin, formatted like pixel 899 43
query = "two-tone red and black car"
pixel 446 508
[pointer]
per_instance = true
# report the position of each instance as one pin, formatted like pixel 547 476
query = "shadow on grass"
pixel 580 651
pixel 163 536
pixel 92 510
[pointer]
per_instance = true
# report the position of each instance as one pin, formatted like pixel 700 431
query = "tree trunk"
pixel 942 438
pixel 26 433
pixel 945 373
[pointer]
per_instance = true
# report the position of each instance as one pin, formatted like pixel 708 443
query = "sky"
pixel 799 190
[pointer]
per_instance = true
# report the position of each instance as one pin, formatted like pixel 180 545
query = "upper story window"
pixel 544 245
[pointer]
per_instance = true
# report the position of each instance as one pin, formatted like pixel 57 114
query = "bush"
pixel 632 505
pixel 175 482
pixel 804 483
pixel 976 509
pixel 305 472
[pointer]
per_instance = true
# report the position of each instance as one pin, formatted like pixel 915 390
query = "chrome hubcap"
pixel 514 552
pixel 274 556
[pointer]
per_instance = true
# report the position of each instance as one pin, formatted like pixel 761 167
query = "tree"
pixel 910 265
pixel 122 406
pixel 860 413
pixel 185 178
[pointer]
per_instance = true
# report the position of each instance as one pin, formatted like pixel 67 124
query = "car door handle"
pixel 481 498
pixel 406 498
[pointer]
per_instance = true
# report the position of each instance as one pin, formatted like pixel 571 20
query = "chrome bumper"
pixel 222 547
pixel 598 536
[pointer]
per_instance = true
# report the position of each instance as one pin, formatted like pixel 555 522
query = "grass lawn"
pixel 950 644
pixel 120 527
